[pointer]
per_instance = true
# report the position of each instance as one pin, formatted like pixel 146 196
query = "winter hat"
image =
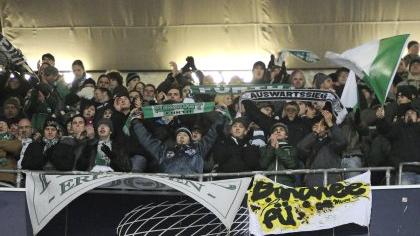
pixel 106 122
pixel 185 130
pixel 279 124
pixel 89 81
pixel 258 64
pixel 319 78
pixel 13 101
pixel 244 121
pixel 407 91
pixel 131 76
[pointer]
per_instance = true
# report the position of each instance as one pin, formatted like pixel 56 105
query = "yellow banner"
pixel 276 208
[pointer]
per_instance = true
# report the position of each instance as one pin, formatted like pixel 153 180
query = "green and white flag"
pixel 304 55
pixel 349 97
pixel 177 109
pixel 376 62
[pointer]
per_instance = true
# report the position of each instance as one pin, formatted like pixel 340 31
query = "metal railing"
pixel 401 166
pixel 210 176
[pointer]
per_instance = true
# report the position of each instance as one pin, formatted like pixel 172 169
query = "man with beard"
pixel 405 139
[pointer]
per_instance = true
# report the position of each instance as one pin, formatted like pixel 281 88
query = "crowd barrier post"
pixel 400 168
pixel 325 173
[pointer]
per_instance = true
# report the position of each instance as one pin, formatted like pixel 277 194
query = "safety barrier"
pixel 400 168
pixel 210 176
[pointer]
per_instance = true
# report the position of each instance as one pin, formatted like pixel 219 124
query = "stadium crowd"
pixel 97 125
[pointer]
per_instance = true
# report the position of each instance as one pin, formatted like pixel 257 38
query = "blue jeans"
pixel 410 178
pixel 351 162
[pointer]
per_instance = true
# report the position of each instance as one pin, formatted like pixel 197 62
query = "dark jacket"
pixel 353 131
pixel 298 127
pixel 254 114
pixel 322 154
pixel 35 158
pixel 118 121
pixel 179 159
pixel 70 154
pixel 120 161
pixel 282 158
pixel 233 155
pixel 405 142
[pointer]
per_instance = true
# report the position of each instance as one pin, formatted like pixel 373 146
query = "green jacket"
pixel 282 158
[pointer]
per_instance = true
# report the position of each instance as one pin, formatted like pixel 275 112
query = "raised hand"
pixel 327 117
pixel 273 141
pixel 380 113
pixel 174 68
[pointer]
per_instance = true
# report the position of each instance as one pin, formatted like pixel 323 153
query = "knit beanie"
pixel 13 101
pixel 279 124
pixel 185 130
pixel 131 76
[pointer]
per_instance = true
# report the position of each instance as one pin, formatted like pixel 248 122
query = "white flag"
pixel 349 97
pixel 47 195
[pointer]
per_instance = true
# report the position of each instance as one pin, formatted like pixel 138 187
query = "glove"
pixel 191 63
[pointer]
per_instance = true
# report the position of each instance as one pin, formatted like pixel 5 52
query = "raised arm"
pixel 152 145
pixel 210 138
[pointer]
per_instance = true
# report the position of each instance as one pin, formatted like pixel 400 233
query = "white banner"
pixel 47 195
pixel 277 209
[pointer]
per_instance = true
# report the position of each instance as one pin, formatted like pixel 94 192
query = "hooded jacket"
pixel 179 159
